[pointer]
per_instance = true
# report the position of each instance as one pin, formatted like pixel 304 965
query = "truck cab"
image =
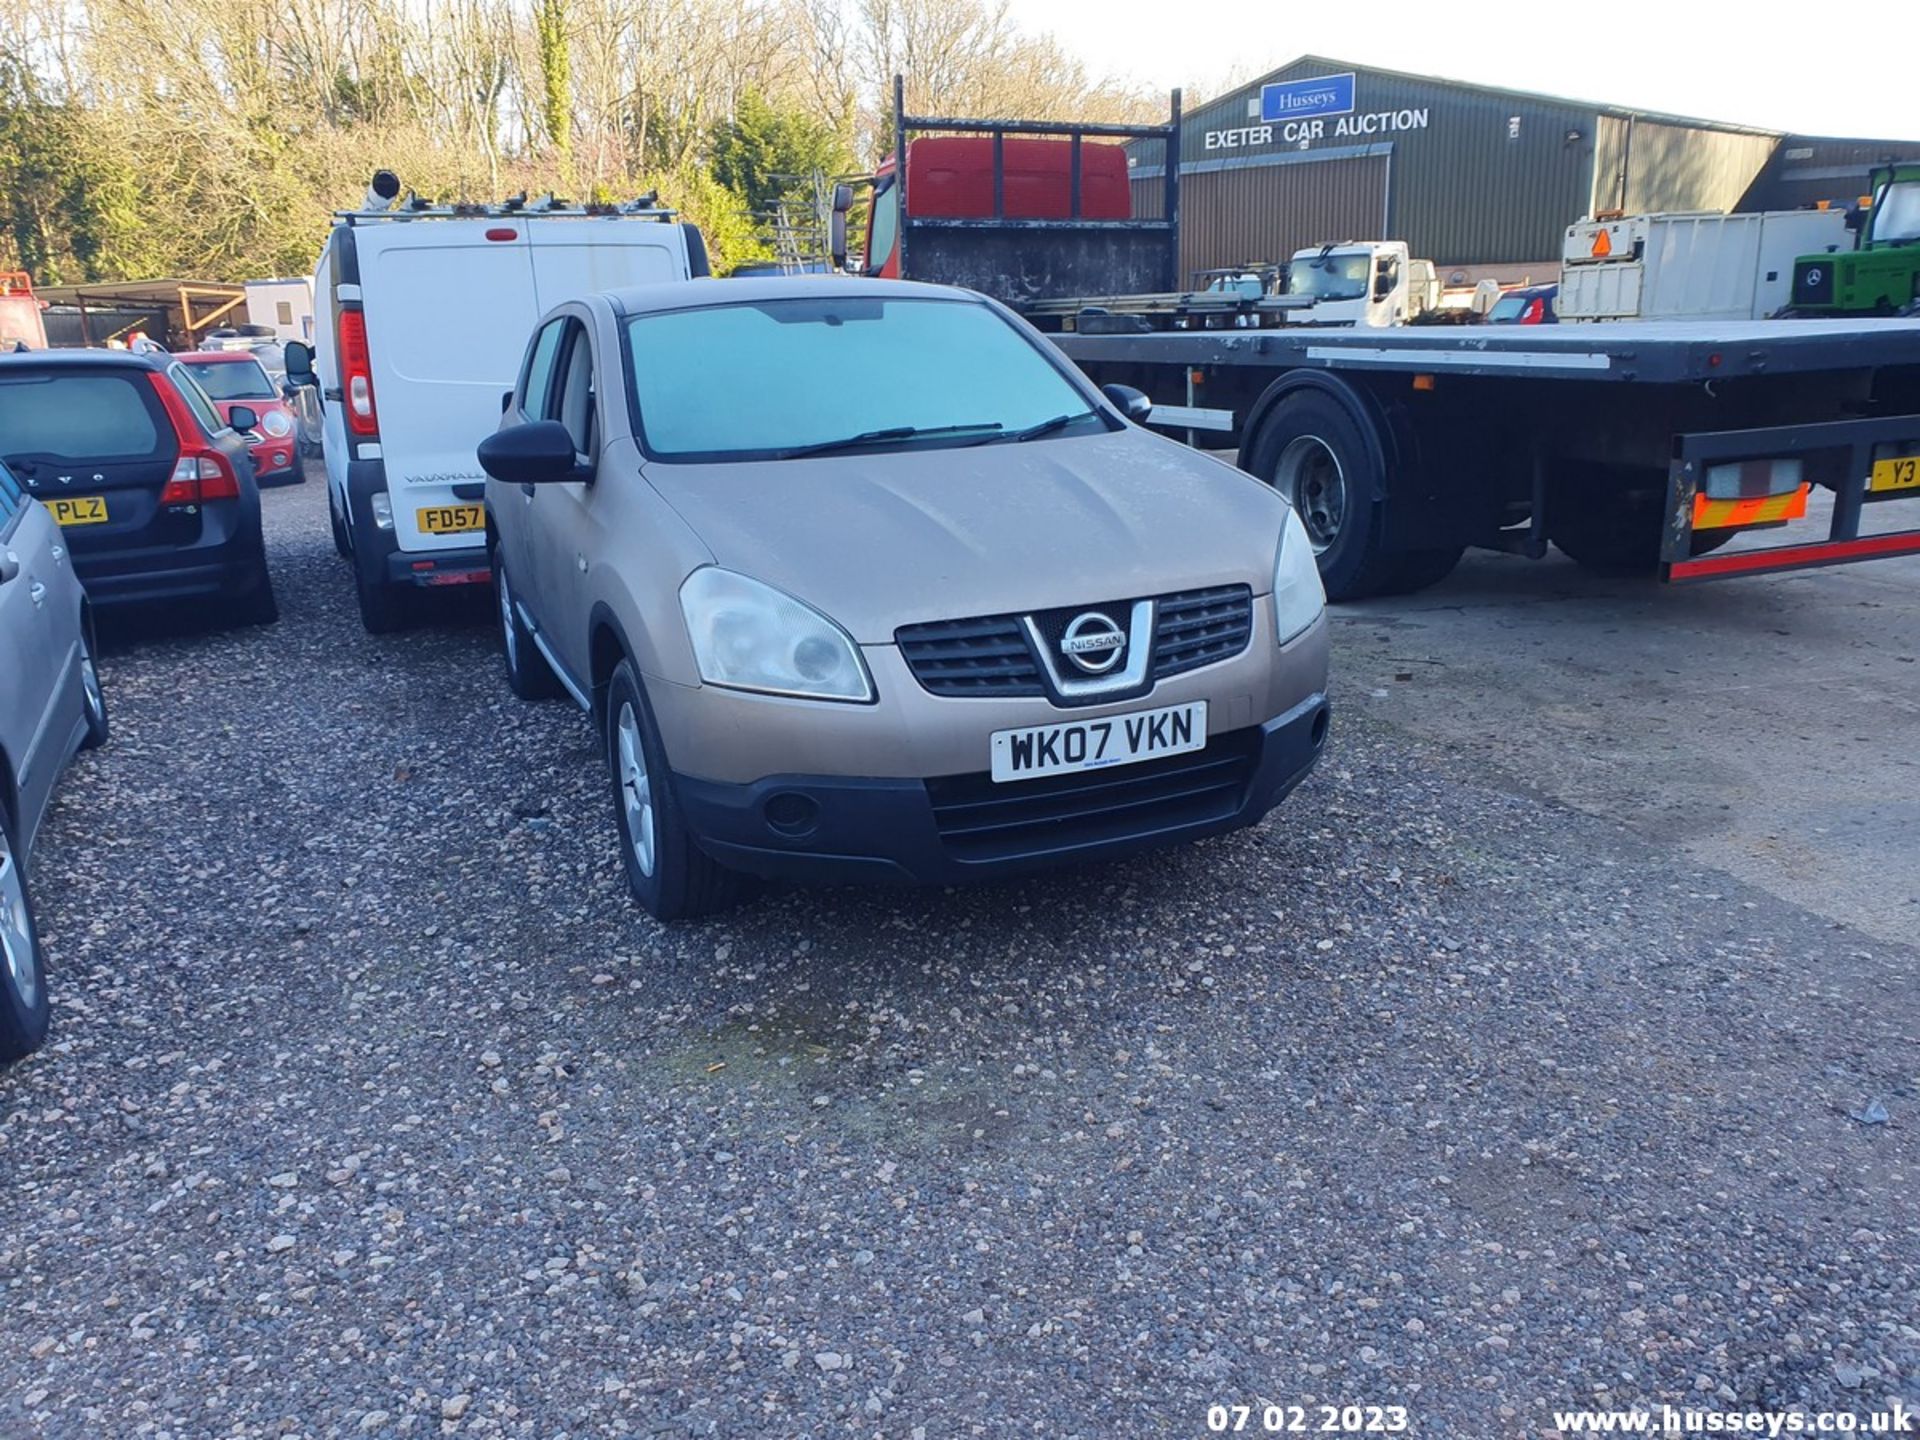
pixel 21 327
pixel 1881 274
pixel 1370 284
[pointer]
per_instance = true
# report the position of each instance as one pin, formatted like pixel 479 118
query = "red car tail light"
pixel 201 473
pixel 356 374
pixel 1536 311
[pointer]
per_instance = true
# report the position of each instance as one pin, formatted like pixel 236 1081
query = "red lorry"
pixel 20 324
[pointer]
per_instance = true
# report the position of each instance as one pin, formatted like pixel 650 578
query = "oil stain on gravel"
pixel 374 1109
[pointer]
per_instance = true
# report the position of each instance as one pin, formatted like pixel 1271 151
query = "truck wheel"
pixel 667 871
pixel 1313 450
pixel 528 674
pixel 23 973
pixel 1419 569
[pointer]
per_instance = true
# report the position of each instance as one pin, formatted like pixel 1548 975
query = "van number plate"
pixel 451 519
pixel 1097 744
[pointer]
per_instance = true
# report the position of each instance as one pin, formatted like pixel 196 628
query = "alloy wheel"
pixel 16 930
pixel 636 788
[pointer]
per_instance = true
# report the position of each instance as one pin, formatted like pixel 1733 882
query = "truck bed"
pixel 1652 352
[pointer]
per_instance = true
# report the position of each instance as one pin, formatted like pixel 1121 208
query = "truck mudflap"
pixel 1734 479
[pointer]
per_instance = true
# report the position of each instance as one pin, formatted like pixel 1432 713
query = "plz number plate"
pixel 1902 472
pixel 451 519
pixel 1096 744
pixel 80 510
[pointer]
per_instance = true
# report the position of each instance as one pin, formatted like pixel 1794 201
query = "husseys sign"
pixel 1302 113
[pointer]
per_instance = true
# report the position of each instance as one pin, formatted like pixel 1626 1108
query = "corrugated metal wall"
pixel 1809 169
pixel 1266 212
pixel 1673 167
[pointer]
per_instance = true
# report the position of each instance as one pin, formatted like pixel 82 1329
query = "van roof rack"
pixel 381 205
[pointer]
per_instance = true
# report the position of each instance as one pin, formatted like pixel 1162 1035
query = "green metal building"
pixel 1482 181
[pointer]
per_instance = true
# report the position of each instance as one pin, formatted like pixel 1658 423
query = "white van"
pixel 421 316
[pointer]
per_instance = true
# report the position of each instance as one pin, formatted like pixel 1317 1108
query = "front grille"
pixel 1813 282
pixel 981 821
pixel 1198 627
pixel 991 655
pixel 971 657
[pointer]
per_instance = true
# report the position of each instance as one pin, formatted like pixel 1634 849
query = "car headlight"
pixel 750 636
pixel 1298 596
pixel 276 424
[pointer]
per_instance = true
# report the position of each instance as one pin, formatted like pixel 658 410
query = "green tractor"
pixel 1881 274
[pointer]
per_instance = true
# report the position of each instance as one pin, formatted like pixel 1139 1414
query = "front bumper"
pixel 274 463
pixel 958 828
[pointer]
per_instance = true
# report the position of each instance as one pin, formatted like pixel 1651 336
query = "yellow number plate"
pixel 81 510
pixel 1900 473
pixel 452 519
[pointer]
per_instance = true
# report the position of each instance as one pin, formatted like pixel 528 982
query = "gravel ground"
pixel 374 1108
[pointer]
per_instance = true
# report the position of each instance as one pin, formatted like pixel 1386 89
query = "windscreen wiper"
pixel 1045 427
pixel 882 437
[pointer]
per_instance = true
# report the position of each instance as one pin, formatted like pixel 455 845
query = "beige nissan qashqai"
pixel 862 580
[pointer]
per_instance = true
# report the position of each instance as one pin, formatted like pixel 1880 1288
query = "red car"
pixel 233 378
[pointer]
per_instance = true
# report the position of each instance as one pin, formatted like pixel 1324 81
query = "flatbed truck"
pixel 1628 445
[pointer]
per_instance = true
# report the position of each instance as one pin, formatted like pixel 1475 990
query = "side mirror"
pixel 299 357
pixel 837 224
pixel 539 452
pixel 242 418
pixel 1130 402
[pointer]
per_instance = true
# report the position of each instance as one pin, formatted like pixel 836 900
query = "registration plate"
pixel 1097 744
pixel 80 510
pixel 451 519
pixel 1902 472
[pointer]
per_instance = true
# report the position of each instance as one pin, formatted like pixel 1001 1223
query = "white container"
pixel 1707 266
pixel 285 305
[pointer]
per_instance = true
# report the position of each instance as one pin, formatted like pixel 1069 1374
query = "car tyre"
pixel 1313 450
pixel 23 976
pixel 668 874
pixel 342 541
pixel 259 606
pixel 383 607
pixel 528 674
pixel 93 699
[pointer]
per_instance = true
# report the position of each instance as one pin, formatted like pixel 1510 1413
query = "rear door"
pixel 37 707
pixel 448 313
pixel 95 445
pixel 576 258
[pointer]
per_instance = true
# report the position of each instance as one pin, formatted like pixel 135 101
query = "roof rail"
pixel 381 205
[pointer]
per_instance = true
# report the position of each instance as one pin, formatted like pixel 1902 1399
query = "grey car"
pixel 50 706
pixel 861 580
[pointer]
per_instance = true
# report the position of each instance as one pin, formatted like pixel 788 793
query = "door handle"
pixel 37 593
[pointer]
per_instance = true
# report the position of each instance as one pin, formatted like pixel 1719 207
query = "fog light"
pixel 791 813
pixel 383 512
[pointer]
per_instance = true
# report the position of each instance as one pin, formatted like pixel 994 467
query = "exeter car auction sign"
pixel 1301 113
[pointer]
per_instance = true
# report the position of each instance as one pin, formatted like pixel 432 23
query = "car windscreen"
pixel 77 417
pixel 1508 308
pixel 1334 277
pixel 1897 213
pixel 232 379
pixel 761 379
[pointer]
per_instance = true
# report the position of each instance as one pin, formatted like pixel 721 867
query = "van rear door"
pixel 573 258
pixel 449 305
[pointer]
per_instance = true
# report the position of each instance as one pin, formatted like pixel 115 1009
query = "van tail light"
pixel 201 473
pixel 356 374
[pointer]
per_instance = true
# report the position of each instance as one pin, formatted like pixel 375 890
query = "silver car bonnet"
pixel 884 539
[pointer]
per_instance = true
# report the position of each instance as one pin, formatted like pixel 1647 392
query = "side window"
pixel 536 383
pixel 883 225
pixel 573 397
pixel 11 499
pixel 196 399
